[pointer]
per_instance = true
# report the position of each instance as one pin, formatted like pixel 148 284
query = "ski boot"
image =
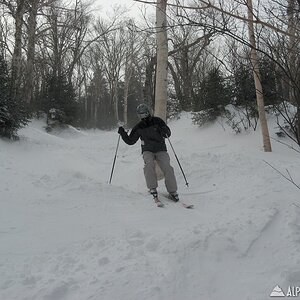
pixel 174 197
pixel 154 193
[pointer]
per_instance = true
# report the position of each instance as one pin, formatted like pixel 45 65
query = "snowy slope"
pixel 66 234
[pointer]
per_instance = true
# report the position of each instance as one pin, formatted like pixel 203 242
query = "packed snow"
pixel 65 233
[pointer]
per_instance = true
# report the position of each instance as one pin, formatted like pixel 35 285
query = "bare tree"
pixel 113 50
pixel 133 48
pixel 17 10
pixel 33 7
pixel 188 47
pixel 5 32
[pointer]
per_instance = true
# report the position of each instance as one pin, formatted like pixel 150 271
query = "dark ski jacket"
pixel 152 132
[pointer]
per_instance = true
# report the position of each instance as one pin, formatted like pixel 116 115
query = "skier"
pixel 152 131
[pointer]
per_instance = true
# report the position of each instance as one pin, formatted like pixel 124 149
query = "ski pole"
pixel 186 183
pixel 113 166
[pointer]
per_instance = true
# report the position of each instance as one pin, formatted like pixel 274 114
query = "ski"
pixel 185 205
pixel 188 206
pixel 158 202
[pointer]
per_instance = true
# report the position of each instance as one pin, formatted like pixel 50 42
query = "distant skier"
pixel 152 131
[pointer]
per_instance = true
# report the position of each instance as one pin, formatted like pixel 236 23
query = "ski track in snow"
pixel 66 234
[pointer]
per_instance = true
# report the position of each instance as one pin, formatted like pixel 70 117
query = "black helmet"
pixel 143 111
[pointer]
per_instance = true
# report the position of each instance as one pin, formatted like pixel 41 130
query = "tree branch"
pixel 289 146
pixel 209 4
pixel 284 176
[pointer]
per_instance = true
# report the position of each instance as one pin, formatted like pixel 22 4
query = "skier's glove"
pixel 121 130
pixel 164 133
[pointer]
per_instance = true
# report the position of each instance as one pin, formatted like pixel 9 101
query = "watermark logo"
pixel 293 291
pixel 277 292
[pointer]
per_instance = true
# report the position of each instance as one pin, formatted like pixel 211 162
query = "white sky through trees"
pixel 106 6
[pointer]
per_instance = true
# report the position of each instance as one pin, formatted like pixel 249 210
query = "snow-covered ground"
pixel 65 233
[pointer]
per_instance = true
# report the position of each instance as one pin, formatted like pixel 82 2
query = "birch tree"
pixel 161 86
pixel 257 81
pixel 293 58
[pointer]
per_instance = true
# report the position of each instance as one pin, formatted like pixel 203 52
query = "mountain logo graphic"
pixel 277 292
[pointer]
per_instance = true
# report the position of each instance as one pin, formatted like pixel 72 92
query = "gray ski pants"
pixel 163 160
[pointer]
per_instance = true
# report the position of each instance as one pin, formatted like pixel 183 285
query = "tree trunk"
pixel 298 124
pixel 17 54
pixel 177 84
pixel 128 74
pixel 257 81
pixel 148 87
pixel 95 113
pixel 31 50
pixel 116 100
pixel 85 99
pixel 293 61
pixel 161 86
pixel 187 80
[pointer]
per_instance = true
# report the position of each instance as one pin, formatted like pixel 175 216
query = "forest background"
pixel 66 61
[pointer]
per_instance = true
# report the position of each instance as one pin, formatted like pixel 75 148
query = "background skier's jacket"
pixel 151 131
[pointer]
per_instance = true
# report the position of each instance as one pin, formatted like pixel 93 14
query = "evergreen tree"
pixel 212 97
pixel 59 101
pixel 13 114
pixel 214 93
pixel 270 78
pixel 243 87
pixel 243 99
pixel 244 95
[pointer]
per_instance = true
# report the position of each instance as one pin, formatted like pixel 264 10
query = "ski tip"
pixel 188 206
pixel 158 202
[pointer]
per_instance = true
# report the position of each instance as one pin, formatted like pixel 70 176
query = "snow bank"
pixel 66 234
